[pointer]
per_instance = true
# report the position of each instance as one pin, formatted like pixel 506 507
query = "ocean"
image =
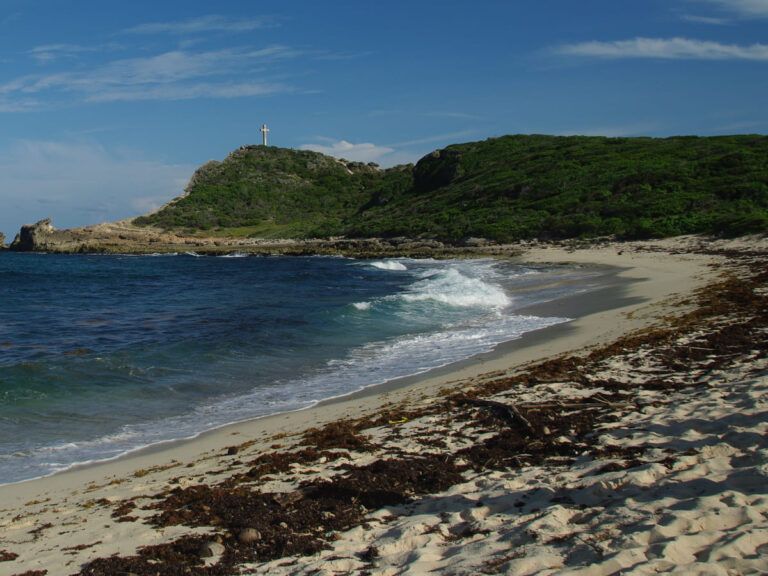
pixel 103 355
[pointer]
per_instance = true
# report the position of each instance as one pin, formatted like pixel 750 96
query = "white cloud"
pixel 363 152
pixel 671 49
pixel 173 75
pixel 212 23
pixel 79 183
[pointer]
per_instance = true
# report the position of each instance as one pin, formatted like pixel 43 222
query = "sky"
pixel 107 107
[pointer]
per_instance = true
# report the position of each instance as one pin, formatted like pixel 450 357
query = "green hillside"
pixel 503 189
pixel 270 192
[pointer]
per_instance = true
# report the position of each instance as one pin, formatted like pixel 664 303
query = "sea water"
pixel 101 355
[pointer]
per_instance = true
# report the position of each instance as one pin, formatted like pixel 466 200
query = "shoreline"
pixel 649 286
pixel 604 276
pixel 606 297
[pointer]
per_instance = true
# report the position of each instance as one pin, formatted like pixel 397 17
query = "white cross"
pixel 264 131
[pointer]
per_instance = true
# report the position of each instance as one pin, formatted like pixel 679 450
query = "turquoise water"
pixel 100 355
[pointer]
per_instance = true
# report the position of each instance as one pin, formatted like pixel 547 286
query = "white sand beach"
pixel 648 452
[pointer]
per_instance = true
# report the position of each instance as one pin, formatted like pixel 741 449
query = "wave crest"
pixel 453 288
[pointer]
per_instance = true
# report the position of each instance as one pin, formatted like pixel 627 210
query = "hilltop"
pixel 496 191
pixel 270 192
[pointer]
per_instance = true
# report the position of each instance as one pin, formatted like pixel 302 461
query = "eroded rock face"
pixel 32 237
pixel 2 240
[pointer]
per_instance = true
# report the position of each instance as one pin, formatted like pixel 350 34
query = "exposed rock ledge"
pixel 123 237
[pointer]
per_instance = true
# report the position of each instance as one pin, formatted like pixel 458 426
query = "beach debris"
pixel 506 412
pixel 249 535
pixel 211 549
pixel 6 556
pixel 341 434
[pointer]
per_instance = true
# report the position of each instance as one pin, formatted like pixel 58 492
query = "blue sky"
pixel 107 107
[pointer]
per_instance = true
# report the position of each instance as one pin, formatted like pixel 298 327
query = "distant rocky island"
pixel 473 195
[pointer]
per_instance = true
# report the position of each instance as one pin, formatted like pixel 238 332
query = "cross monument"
pixel 264 131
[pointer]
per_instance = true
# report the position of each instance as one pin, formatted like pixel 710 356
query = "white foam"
pixel 450 310
pixel 453 288
pixel 389 265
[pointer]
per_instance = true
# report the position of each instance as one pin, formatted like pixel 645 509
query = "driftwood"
pixel 596 401
pixel 506 412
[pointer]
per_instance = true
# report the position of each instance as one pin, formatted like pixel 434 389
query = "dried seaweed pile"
pixel 402 454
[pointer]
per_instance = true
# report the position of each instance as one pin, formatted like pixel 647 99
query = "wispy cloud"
pixel 52 52
pixel 339 56
pixel 187 92
pixel 211 23
pixel 180 65
pixel 745 8
pixel 173 75
pixel 669 49
pixel 706 20
pixel 18 105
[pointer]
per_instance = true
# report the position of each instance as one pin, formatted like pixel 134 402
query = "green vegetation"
pixel 504 189
pixel 269 192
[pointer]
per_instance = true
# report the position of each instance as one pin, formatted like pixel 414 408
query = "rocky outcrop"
pixel 32 237
pixel 2 241
pixel 112 237
pixel 124 237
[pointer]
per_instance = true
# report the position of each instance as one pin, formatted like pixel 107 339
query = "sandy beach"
pixel 631 440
